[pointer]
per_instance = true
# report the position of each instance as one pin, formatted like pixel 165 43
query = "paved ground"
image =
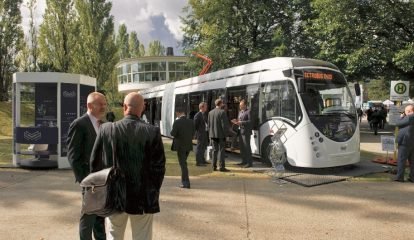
pixel 45 205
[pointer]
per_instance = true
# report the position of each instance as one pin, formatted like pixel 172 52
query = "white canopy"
pixel 388 102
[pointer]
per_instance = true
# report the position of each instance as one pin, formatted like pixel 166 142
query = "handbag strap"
pixel 114 162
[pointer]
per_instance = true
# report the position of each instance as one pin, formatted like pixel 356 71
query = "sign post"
pixel 399 92
pixel 388 144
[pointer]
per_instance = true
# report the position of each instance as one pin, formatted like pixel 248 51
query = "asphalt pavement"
pixel 45 205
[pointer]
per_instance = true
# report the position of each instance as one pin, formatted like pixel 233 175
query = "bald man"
pixel 81 137
pixel 405 140
pixel 140 154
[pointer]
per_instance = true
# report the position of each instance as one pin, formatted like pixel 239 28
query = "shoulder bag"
pixel 105 191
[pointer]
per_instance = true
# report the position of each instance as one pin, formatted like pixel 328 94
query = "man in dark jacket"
pixel 201 128
pixel 81 137
pixel 405 140
pixel 183 132
pixel 140 153
pixel 245 131
pixel 218 125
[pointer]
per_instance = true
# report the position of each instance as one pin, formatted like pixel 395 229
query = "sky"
pixel 151 19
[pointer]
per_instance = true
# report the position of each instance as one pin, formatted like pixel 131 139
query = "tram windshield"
pixel 328 103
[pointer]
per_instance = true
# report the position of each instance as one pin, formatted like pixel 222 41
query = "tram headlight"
pixel 316 134
pixel 315 148
pixel 320 139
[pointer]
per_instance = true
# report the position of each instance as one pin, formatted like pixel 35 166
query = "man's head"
pixel 202 106
pixel 409 109
pixel 133 104
pixel 243 105
pixel 96 104
pixel 218 102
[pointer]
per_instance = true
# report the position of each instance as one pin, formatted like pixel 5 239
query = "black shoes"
pixel 224 170
pixel 398 180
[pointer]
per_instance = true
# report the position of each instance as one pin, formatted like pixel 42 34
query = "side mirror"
pixel 301 84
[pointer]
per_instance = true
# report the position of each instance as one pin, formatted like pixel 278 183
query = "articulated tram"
pixel 309 99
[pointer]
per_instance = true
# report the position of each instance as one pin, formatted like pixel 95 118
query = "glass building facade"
pixel 144 72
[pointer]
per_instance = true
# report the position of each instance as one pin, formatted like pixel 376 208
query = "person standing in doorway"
pixel 139 151
pixel 201 128
pixel 218 125
pixel 80 141
pixel 245 131
pixel 405 140
pixel 183 132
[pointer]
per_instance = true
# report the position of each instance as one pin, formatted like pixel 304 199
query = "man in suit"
pixel 140 154
pixel 218 125
pixel 201 128
pixel 183 132
pixel 81 137
pixel 405 140
pixel 245 131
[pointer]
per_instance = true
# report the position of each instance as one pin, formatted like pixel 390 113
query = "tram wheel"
pixel 265 154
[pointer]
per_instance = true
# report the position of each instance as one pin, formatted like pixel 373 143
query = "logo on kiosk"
pixel 34 136
pixel 69 94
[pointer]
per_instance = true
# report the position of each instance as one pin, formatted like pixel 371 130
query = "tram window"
pixel 280 100
pixel 181 102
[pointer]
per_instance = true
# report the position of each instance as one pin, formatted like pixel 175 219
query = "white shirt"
pixel 94 121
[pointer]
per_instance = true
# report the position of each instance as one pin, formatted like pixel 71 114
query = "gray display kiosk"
pixel 44 105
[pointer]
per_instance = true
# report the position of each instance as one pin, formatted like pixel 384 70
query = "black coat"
pixel 81 137
pixel 140 154
pixel 245 123
pixel 406 132
pixel 200 124
pixel 183 132
pixel 218 123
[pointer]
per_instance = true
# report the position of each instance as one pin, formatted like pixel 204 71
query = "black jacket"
pixel 140 154
pixel 406 132
pixel 183 132
pixel 81 137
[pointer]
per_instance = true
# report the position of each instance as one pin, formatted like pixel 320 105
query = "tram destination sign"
pixel 399 90
pixel 318 75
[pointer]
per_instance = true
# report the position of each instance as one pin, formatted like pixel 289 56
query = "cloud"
pixel 151 19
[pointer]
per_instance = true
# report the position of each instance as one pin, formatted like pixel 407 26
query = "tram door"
pixel 234 96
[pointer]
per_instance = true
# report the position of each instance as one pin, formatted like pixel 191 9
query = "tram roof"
pixel 254 67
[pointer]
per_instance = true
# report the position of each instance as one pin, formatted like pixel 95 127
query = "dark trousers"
pixel 218 152
pixel 201 149
pixel 245 149
pixel 91 223
pixel 182 160
pixel 405 153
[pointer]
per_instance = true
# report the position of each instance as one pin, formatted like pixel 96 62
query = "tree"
pixel 155 48
pixel 366 39
pixel 31 4
pixel 57 36
pixel 96 50
pixel 122 42
pixel 11 37
pixel 234 32
pixel 136 48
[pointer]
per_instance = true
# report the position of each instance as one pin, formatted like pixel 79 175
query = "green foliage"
pixel 378 89
pixel 11 38
pixel 155 48
pixel 95 52
pixel 122 42
pixel 136 48
pixel 57 36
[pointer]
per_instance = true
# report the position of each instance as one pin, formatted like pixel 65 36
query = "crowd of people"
pixel 139 150
pixel 377 117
